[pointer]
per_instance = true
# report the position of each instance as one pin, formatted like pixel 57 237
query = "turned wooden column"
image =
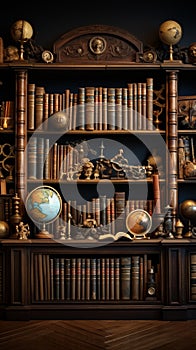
pixel 172 140
pixel 21 134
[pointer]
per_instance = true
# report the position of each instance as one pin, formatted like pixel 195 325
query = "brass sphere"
pixel 4 229
pixel 170 32
pixel 21 30
pixel 188 209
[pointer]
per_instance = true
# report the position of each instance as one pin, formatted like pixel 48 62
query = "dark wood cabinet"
pixel 157 269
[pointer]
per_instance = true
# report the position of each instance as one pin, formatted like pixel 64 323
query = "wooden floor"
pixel 97 335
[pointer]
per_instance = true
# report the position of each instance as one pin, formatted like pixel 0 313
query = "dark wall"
pixel 141 18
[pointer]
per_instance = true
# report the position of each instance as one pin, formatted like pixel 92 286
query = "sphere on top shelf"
pixel 188 209
pixel 170 32
pixel 21 31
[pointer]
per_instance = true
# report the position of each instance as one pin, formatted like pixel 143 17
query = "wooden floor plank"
pixel 97 335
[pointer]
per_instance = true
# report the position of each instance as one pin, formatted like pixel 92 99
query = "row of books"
pixel 110 218
pixel 193 276
pixel 95 108
pixel 93 278
pixel 105 210
pixel 50 160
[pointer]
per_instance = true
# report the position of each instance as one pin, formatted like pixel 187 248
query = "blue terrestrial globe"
pixel 43 204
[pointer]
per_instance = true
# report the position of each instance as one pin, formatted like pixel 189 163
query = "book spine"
pixel 96 113
pixel 52 278
pixel 57 278
pixel 139 106
pixel 78 278
pixel 88 276
pixel 120 205
pixel 107 278
pixel 193 276
pixel 141 277
pixel 81 109
pixel 32 158
pixel 103 213
pixel 149 103
pixel 83 278
pixel 125 109
pixel 46 159
pixel 143 106
pixel 45 276
pixel 104 122
pixel 62 278
pixel 90 107
pixel 93 281
pixel 112 283
pixel 73 278
pixel 70 114
pixel 135 275
pixel 41 278
pixel 40 158
pixel 46 110
pixel 48 276
pixel 125 277
pixel 130 105
pixel 117 277
pixel 68 278
pixel 98 278
pixel 111 122
pixel 39 109
pixel 31 106
pixel 103 295
pixel 135 112
pixel 36 277
pixel 101 123
pixel 75 103
pixel 118 100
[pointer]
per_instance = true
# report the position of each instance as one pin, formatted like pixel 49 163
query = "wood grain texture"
pixel 97 335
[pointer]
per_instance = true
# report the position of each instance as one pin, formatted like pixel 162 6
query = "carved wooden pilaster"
pixel 172 134
pixel 21 133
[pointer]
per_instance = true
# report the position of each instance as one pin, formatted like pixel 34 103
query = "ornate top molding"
pixel 101 44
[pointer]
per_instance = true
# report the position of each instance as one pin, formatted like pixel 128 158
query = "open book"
pixel 110 236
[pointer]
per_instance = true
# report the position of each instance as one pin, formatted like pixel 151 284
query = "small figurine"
pixel 192 53
pixel 11 53
pixel 22 230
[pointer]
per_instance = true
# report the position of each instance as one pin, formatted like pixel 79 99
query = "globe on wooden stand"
pixel 43 205
pixel 170 33
pixel 21 31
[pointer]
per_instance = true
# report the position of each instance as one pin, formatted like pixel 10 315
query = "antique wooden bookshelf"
pixel 151 277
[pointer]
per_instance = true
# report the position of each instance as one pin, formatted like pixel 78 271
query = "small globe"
pixel 43 204
pixel 170 32
pixel 21 30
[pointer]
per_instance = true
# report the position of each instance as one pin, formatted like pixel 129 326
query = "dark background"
pixel 141 18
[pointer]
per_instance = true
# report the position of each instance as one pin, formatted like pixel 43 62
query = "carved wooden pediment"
pixel 100 44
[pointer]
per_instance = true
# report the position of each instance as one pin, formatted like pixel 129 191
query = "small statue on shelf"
pixel 22 230
pixel 11 54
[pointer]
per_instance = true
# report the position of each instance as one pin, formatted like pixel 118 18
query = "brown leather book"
pixel 89 107
pixel 125 277
pixel 135 277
